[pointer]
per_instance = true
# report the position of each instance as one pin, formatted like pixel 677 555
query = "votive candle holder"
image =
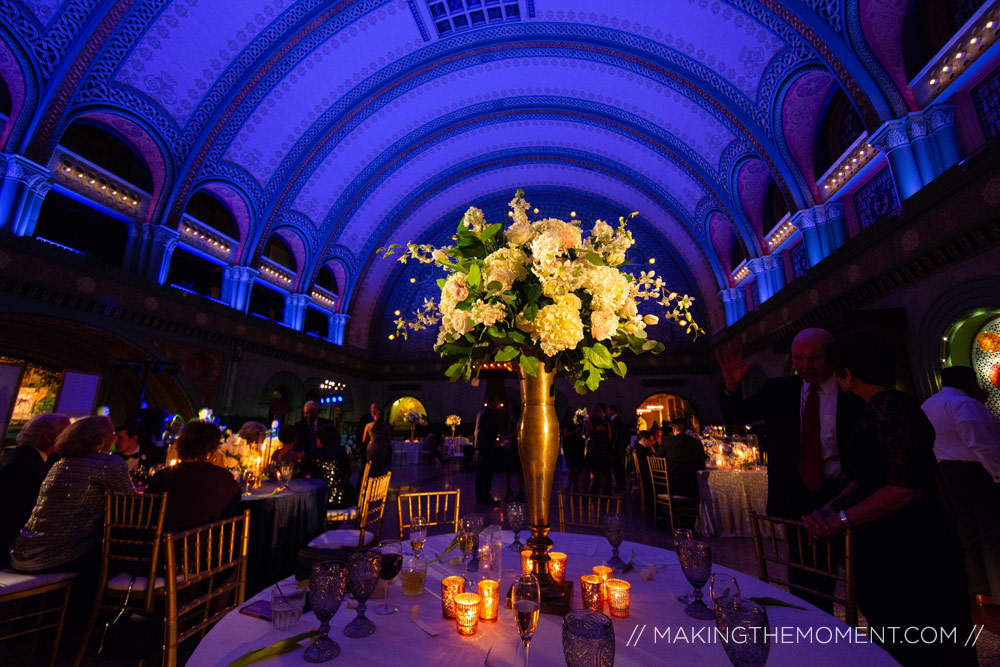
pixel 527 565
pixel 450 587
pixel 467 613
pixel 489 600
pixel 619 597
pixel 604 572
pixel 557 566
pixel 590 592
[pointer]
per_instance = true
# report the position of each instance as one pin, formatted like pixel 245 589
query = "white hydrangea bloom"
pixel 558 326
pixel 609 287
pixel 505 266
pixel 487 314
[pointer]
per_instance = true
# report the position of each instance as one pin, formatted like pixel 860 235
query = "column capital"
pixel 239 273
pixel 834 210
pixel 165 236
pixel 805 217
pixel 891 135
pixel 21 168
pixel 939 115
pixel 341 318
pixel 916 126
pixel 297 299
pixel 759 265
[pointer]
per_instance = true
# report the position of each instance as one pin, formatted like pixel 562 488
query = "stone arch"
pixel 238 203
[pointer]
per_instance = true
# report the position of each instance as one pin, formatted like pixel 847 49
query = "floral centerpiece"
pixel 542 295
pixel 236 453
pixel 453 421
pixel 414 417
pixel 580 416
pixel 540 292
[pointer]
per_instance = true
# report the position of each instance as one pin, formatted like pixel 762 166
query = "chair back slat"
pixel 372 509
pixel 439 508
pixel 584 510
pixel 133 528
pixel 205 578
pixel 820 558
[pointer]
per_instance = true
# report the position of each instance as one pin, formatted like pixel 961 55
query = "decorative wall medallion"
pixel 151 303
pixel 86 284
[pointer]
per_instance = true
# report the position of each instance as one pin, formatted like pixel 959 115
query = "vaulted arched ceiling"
pixel 345 126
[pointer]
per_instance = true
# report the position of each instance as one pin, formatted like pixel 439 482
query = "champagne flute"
pixel 517 517
pixel 392 562
pixel 418 535
pixel 526 601
pixel 466 539
pixel 683 535
pixel 696 564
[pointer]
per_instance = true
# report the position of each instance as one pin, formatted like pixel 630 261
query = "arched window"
pixel 107 150
pixel 739 252
pixel 839 126
pixel 974 340
pixel 278 251
pixel 662 408
pixel 775 206
pixel 400 409
pixel 205 208
pixel 326 280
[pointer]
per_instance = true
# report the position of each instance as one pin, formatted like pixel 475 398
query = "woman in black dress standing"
pixel 908 559
pixel 573 449
pixel 598 432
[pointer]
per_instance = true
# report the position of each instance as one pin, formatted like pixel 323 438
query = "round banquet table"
pixel 280 524
pixel 399 641
pixel 727 498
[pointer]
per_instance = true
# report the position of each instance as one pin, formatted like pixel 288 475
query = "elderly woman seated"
pixel 200 492
pixel 329 462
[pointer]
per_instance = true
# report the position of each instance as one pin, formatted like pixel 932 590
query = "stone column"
pixel 735 304
pixel 337 324
pixel 22 191
pixel 941 128
pixel 770 273
pixel 893 140
pixel 294 316
pixel 924 151
pixel 835 229
pixel 237 282
pixel 160 251
pixel 805 220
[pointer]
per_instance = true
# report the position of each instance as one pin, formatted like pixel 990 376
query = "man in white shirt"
pixel 967 446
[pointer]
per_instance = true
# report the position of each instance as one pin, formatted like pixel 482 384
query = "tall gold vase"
pixel 538 444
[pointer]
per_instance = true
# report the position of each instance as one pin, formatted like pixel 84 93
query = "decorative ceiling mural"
pixel 345 126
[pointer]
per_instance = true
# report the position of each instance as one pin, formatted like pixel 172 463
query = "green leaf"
pixel 441 282
pixel 641 333
pixel 451 547
pixel 491 230
pixel 517 335
pixel 601 356
pixel 475 277
pixel 648 345
pixel 456 370
pixel 496 332
pixel 494 286
pixel 595 259
pixel 530 311
pixel 620 368
pixel 508 353
pixel 529 364
pixel 593 380
pixel 281 647
pixel 775 602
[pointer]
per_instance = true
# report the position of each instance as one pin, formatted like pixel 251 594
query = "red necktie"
pixel 811 460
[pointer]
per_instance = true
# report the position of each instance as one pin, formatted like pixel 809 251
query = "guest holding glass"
pixel 902 533
pixel 199 491
pixel 65 529
pixel 22 471
pixel 378 443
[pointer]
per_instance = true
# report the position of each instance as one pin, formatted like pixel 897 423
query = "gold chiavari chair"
pixel 584 510
pixel 437 508
pixel 368 529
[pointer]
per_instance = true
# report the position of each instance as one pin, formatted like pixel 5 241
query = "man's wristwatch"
pixel 843 519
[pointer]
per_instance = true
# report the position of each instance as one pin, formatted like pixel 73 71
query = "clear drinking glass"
pixel 418 534
pixel 696 563
pixel 683 535
pixel 392 562
pixel 742 626
pixel 517 517
pixel 613 524
pixel 526 601
pixel 466 539
pixel 413 576
pixel 363 568
pixel 723 586
pixel 327 585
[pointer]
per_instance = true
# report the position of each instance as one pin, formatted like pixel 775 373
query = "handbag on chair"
pixel 131 635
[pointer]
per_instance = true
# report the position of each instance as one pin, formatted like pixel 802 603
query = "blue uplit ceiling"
pixel 346 126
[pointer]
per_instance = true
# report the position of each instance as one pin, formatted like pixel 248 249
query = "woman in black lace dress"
pixel 908 559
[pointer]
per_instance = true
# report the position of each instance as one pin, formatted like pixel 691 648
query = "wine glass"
pixel 696 563
pixel 723 587
pixel 613 524
pixel 742 630
pixel 478 523
pixel 327 585
pixel 363 567
pixel 392 562
pixel 466 539
pixel 418 534
pixel 526 601
pixel 517 517
pixel 683 535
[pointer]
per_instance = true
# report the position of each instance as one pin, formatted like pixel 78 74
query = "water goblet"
pixel 363 567
pixel 392 562
pixel 696 563
pixel 517 517
pixel 742 631
pixel 588 639
pixel 613 524
pixel 723 587
pixel 478 523
pixel 526 601
pixel 683 535
pixel 327 585
pixel 418 534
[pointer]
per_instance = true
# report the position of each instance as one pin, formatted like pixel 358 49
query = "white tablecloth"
pixel 727 498
pixel 406 452
pixel 640 639
pixel 456 446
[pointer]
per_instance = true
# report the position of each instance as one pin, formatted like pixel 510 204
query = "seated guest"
pixel 65 529
pixel 329 462
pixel 685 456
pixel 199 492
pixel 136 451
pixel 22 470
pixel 253 432
pixel 901 531
pixel 287 436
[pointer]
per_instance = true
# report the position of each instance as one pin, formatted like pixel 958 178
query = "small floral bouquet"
pixel 580 416
pixel 540 291
pixel 236 453
pixel 453 421
pixel 414 416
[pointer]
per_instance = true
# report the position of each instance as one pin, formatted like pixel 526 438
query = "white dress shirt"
pixel 966 429
pixel 827 425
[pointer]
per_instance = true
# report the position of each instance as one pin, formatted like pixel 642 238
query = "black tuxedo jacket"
pixel 777 404
pixel 306 441
pixel 22 472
